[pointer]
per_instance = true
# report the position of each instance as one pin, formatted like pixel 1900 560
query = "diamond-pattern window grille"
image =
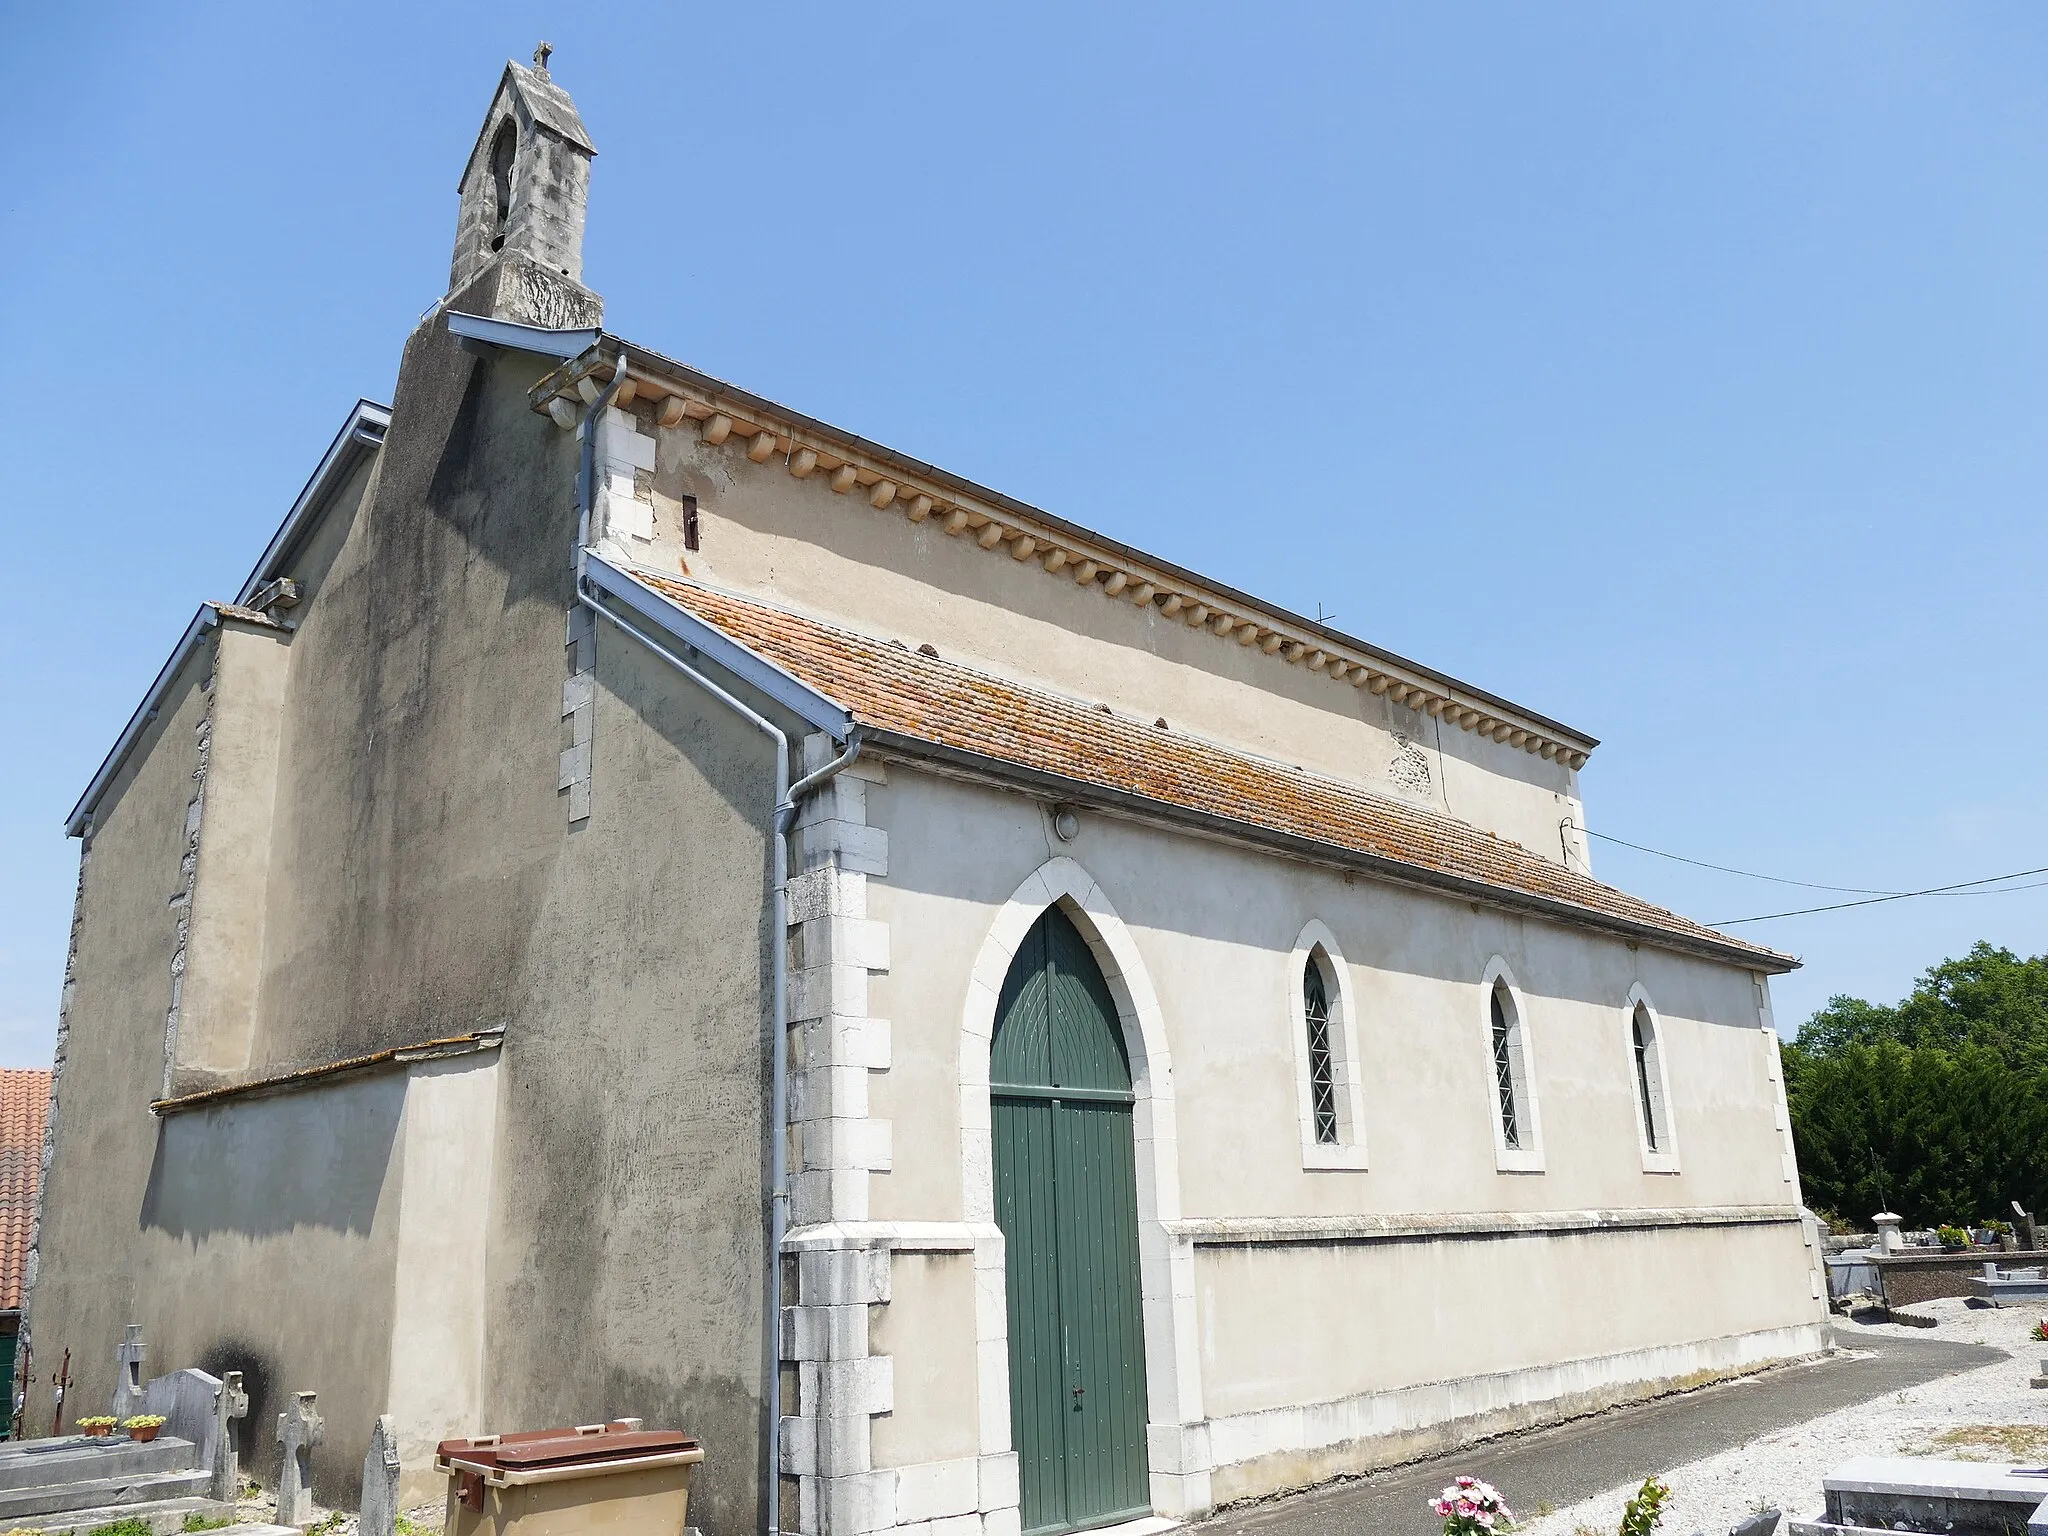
pixel 1642 1044
pixel 1504 1075
pixel 1322 1071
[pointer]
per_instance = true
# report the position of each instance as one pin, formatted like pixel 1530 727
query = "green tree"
pixel 1937 1108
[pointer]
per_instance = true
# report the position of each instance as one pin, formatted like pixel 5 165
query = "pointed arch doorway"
pixel 1066 1201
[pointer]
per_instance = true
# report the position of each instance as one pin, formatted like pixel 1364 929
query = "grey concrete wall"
pixel 423 880
pixel 265 1243
pixel 629 1248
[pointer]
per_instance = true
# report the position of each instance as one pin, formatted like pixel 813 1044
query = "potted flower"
pixel 1472 1508
pixel 143 1426
pixel 97 1424
pixel 1953 1239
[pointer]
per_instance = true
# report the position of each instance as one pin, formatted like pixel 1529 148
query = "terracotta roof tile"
pixel 890 688
pixel 24 1106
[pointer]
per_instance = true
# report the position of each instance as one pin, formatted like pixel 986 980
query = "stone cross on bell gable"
pixel 230 1402
pixel 299 1429
pixel 129 1387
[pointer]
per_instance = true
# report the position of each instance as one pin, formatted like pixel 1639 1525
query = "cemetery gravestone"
pixel 129 1392
pixel 186 1401
pixel 230 1402
pixel 299 1429
pixel 379 1515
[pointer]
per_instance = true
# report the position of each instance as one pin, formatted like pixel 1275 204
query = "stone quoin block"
pixel 934 1489
pixel 852 1506
pixel 826 892
pixel 998 1482
pixel 839 1277
pixel 826 1447
pixel 819 1196
pixel 816 991
pixel 860 849
pixel 821 1092
pixel 849 1388
pixel 824 1333
pixel 843 1143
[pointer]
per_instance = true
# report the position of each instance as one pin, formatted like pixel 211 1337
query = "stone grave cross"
pixel 230 1402
pixel 299 1429
pixel 129 1387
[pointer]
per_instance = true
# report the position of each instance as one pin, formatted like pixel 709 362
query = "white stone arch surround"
pixel 1665 1159
pixel 1528 1158
pixel 1349 1150
pixel 1177 1441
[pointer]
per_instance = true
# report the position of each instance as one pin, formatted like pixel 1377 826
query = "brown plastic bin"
pixel 580 1480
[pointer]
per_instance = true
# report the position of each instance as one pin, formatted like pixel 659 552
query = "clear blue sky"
pixel 1675 371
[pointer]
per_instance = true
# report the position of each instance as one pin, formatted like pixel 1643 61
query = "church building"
pixel 648 903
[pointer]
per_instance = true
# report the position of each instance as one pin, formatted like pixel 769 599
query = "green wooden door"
pixel 1067 1201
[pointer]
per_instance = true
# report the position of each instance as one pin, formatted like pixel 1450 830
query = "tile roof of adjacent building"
pixel 24 1107
pixel 916 699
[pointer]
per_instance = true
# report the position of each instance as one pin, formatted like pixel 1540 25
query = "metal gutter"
pixel 654 362
pixel 788 799
pixel 286 1082
pixel 521 338
pixel 718 648
pixel 1393 871
pixel 360 436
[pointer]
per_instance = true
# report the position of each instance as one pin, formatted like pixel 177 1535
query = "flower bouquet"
pixel 1472 1508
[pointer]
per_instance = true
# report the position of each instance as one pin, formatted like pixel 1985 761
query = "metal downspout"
pixel 789 799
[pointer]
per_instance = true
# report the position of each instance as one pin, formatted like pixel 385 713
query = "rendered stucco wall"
pixel 217 1019
pixel 797 543
pixel 87 1282
pixel 1344 1317
pixel 422 878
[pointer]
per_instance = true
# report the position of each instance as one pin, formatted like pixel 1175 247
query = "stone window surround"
pixel 1348 1152
pixel 1527 1158
pixel 1663 1158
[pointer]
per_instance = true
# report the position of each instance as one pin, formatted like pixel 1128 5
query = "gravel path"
pixel 1783 1467
pixel 1573 1463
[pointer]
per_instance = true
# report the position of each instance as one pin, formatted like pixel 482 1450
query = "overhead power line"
pixel 1871 897
pixel 1747 874
pixel 1871 901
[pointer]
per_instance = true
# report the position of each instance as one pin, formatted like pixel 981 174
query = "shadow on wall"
pixel 262 1167
pixel 257 1452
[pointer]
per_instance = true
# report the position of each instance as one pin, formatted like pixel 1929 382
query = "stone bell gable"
pixel 525 191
